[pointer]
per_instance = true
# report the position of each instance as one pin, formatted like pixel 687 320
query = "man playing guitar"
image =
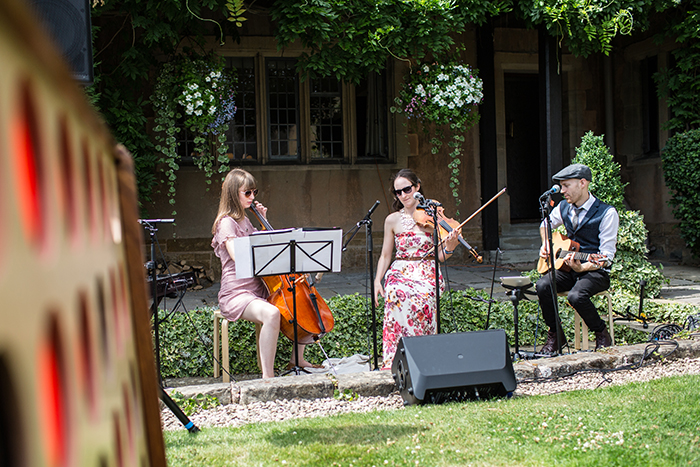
pixel 593 225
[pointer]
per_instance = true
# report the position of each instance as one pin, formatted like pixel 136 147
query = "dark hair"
pixel 409 175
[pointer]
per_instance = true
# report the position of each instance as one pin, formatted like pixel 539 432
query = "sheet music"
pixel 269 252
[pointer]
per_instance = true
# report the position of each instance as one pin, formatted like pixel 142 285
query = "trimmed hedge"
pixel 186 338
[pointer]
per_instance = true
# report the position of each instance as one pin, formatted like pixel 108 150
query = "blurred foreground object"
pixel 77 376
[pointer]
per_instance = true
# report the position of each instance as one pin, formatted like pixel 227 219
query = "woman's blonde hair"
pixel 236 181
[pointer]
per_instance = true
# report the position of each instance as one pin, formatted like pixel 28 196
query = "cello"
pixel 314 318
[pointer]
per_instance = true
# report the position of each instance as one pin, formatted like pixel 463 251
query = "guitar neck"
pixel 577 255
pixel 580 256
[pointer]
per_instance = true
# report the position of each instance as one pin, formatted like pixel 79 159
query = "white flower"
pixel 426 68
pixel 198 112
pixel 199 103
pixel 212 109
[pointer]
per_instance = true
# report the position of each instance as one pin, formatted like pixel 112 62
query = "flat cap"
pixel 573 171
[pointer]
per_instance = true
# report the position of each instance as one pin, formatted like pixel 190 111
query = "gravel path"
pixel 237 415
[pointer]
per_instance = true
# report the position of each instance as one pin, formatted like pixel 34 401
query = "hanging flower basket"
pixel 440 95
pixel 196 92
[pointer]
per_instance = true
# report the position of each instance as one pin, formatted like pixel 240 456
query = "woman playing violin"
pixel 244 298
pixel 409 283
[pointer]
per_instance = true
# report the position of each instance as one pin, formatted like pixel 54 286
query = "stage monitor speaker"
pixel 453 367
pixel 69 25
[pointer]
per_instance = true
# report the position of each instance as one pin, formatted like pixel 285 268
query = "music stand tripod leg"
pixel 296 368
pixel 150 225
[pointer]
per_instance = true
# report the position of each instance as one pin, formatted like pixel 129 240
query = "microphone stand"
pixel 367 222
pixel 546 207
pixel 430 208
pixel 151 226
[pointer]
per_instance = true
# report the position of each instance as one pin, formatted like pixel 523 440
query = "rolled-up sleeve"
pixel 608 233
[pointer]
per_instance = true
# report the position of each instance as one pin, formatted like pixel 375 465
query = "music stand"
pixel 517 289
pixel 291 251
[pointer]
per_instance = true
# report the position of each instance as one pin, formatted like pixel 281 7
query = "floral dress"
pixel 409 286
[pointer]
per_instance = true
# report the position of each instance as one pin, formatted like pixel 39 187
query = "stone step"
pixel 519 243
pixel 520 257
pixel 520 230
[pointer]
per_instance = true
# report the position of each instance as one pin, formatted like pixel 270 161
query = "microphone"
pixel 425 202
pixel 371 210
pixel 156 221
pixel 555 189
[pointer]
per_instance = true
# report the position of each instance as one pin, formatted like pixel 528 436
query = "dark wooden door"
pixel 522 145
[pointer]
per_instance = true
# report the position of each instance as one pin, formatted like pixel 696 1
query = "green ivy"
pixel 589 26
pixel 680 83
pixel 351 38
pixel 681 165
pixel 347 39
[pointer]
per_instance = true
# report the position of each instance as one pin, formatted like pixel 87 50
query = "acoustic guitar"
pixel 563 246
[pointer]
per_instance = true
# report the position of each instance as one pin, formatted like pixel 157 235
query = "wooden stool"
pixel 221 339
pixel 581 329
pixel 221 331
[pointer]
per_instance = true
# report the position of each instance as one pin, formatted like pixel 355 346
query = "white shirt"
pixel 607 236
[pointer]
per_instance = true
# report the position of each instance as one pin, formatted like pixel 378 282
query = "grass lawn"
pixel 655 423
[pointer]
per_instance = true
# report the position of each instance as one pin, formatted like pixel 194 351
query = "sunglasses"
pixel 247 193
pixel 405 190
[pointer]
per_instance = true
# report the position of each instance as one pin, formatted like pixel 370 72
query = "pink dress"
pixel 235 294
pixel 409 287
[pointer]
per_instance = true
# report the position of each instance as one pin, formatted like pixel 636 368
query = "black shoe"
pixel 602 339
pixel 553 345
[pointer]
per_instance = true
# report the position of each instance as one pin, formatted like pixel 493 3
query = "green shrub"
pixel 631 264
pixel 681 165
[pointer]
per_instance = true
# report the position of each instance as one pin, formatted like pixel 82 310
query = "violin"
pixel 445 225
pixel 314 317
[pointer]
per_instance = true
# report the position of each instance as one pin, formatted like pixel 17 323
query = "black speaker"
pixel 68 23
pixel 453 367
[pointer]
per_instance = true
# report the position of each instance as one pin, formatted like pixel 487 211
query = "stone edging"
pixel 381 383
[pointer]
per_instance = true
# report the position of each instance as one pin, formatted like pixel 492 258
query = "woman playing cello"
pixel 409 284
pixel 244 298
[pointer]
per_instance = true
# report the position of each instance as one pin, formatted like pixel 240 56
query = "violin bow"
pixel 477 212
pixel 482 207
